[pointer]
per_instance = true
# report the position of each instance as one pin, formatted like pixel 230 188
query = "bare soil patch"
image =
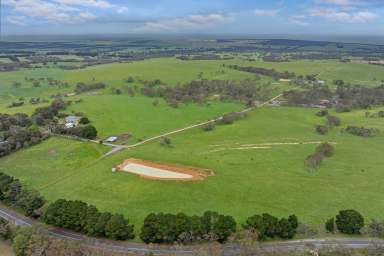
pixel 160 171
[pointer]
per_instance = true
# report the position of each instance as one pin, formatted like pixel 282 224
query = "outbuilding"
pixel 111 139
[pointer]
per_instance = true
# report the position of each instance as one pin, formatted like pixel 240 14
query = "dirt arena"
pixel 158 171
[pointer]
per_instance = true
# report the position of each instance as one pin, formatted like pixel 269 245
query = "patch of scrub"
pixel 156 171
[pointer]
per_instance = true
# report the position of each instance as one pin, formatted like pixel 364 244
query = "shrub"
pixel 118 228
pixel 375 229
pixel 130 80
pixel 231 117
pixel 322 129
pixel 84 120
pixel 330 225
pixel 165 141
pixel 209 127
pixel 89 132
pixel 333 121
pixel 314 161
pixel 21 241
pixel 349 222
pixel 341 108
pixel 5 230
pixel 326 149
pixel 322 113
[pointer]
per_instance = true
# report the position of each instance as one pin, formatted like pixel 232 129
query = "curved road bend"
pixel 136 248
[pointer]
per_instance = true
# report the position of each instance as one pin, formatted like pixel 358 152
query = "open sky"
pixel 338 17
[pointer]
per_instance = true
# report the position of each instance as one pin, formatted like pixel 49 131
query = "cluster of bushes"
pixel 347 222
pixel 246 91
pixel 313 95
pixel 332 121
pixel 45 115
pixel 230 118
pixel 314 160
pixel 15 194
pixel 82 87
pixel 18 137
pixel 13 66
pixel 19 119
pixel 16 104
pixel 379 114
pixel 203 57
pixel 5 230
pixel 86 132
pixel 268 226
pixel 362 131
pixel 16 132
pixel 86 219
pixel 181 228
pixel 265 72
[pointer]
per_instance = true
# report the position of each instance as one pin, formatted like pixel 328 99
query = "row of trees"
pixel 87 219
pixel 268 226
pixel 314 160
pixel 86 132
pixel 266 72
pixel 246 91
pixel 181 228
pixel 45 115
pixel 14 193
pixel 82 87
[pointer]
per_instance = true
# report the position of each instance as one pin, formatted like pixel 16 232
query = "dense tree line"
pixel 14 193
pixel 344 98
pixel 181 228
pixel 46 115
pixel 16 132
pixel 246 91
pixel 87 219
pixel 87 132
pixel 268 226
pixel 82 87
pixel 313 95
pixel 266 72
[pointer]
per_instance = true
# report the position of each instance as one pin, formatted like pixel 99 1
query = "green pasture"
pixel 246 181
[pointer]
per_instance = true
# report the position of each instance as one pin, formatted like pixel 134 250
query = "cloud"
pixel 335 15
pixel 16 20
pixel 340 2
pixel 91 3
pixel 187 23
pixel 266 12
pixel 57 11
pixel 299 20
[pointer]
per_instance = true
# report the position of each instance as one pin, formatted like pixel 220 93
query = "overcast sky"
pixel 338 17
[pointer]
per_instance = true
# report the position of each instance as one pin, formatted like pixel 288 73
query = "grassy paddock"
pixel 247 181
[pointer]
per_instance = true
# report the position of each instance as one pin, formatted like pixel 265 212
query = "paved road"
pixel 137 248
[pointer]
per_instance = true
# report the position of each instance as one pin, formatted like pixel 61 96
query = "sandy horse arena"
pixel 157 171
